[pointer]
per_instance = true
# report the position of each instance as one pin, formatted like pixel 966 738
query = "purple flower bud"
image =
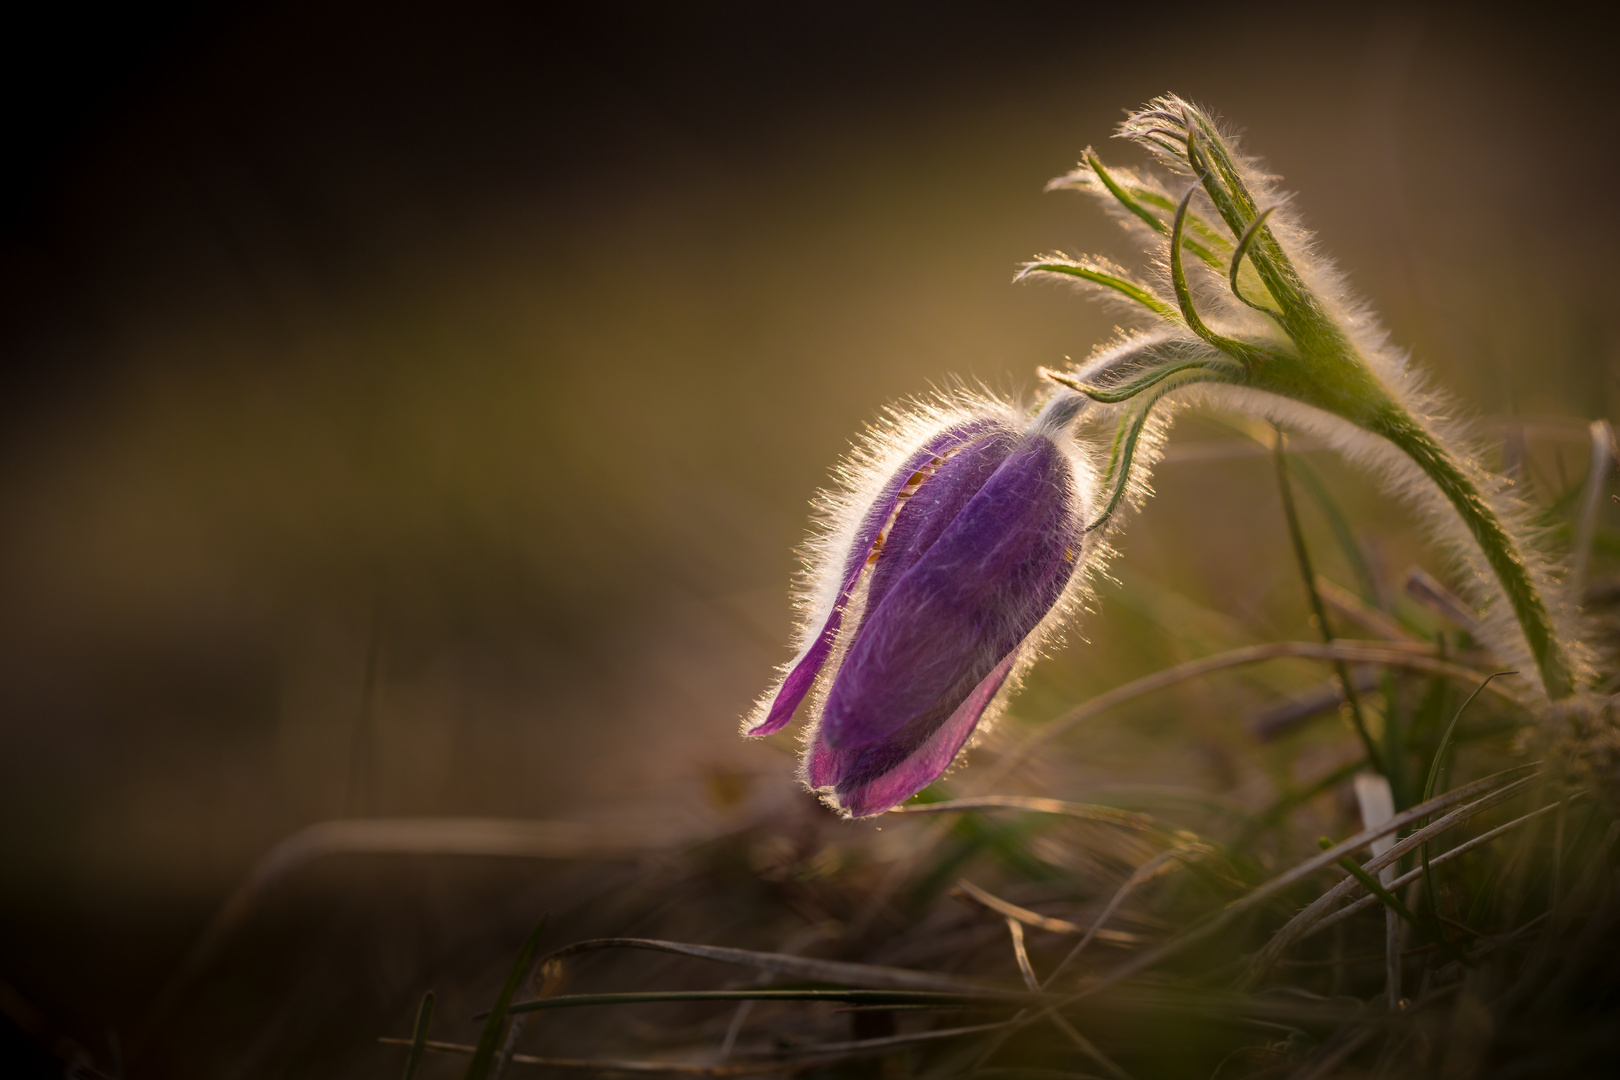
pixel 951 555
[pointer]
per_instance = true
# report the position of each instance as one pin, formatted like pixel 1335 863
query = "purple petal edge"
pixel 802 676
pixel 929 761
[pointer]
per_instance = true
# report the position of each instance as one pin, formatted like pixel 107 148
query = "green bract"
pixel 1254 323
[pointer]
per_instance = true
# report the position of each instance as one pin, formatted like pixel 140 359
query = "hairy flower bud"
pixel 954 550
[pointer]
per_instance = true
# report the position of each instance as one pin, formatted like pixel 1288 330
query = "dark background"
pixel 496 351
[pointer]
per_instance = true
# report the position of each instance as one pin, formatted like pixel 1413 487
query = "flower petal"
pixel 929 512
pixel 974 595
pixel 802 672
pixel 880 777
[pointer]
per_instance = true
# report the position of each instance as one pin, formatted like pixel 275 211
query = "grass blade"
pixel 1339 525
pixel 424 1017
pixel 1302 555
pixel 489 1042
pixel 1395 905
pixel 1445 740
pixel 1440 860
pixel 1371 884
pixel 1428 789
pixel 1301 922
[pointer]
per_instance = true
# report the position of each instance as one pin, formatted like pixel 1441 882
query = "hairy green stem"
pixel 1319 364
pixel 1341 383
pixel 1501 551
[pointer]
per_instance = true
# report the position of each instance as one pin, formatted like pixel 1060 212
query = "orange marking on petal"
pixel 909 489
pixel 877 546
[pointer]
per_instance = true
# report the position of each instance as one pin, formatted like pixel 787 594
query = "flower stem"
pixel 1321 365
pixel 1497 544
pixel 1340 382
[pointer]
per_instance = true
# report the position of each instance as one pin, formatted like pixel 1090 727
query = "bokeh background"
pixel 412 410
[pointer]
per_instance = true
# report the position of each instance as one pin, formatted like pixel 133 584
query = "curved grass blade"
pixel 1302 555
pixel 1429 892
pixel 1445 739
pixel 503 838
pixel 489 1040
pixel 1393 903
pixel 424 1017
pixel 1340 527
pixel 1434 774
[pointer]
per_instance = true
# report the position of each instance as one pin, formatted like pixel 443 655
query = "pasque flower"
pixel 955 546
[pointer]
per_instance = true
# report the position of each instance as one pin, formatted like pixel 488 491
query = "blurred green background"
pixel 498 351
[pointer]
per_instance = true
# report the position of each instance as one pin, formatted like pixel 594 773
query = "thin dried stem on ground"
pixel 1008 910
